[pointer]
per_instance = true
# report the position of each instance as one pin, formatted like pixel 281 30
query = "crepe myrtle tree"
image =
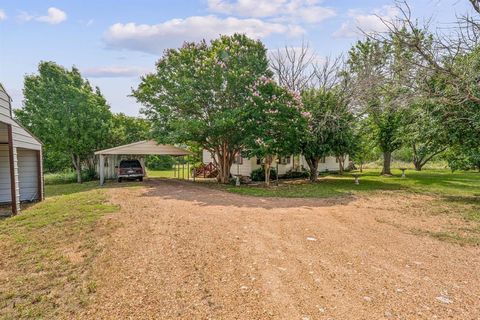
pixel 273 122
pixel 199 93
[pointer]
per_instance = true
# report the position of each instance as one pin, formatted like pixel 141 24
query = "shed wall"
pixel 4 104
pixel 5 192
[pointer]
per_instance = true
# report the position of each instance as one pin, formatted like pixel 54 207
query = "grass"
pixel 453 194
pixel 182 172
pixel 65 177
pixel 46 253
pixel 439 182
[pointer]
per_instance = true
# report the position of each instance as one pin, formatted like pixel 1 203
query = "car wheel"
pixel 119 179
pixel 140 179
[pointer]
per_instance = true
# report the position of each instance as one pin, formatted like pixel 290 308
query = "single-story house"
pixel 21 168
pixel 245 166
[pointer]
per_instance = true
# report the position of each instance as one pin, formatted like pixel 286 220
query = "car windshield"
pixel 130 164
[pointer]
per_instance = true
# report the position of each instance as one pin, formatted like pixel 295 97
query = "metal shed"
pixel 109 158
pixel 21 173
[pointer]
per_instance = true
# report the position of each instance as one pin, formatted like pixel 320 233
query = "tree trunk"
pixel 418 165
pixel 267 168
pixel 341 164
pixel 225 161
pixel 416 161
pixel 361 166
pixel 387 161
pixel 77 166
pixel 313 165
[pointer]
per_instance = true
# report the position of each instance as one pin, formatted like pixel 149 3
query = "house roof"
pixel 146 147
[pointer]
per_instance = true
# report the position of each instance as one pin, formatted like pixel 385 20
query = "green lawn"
pixel 46 252
pixel 440 182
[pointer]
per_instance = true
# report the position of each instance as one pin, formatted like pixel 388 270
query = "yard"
pixel 387 248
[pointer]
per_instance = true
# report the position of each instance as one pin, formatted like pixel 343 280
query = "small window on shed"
pixel 322 160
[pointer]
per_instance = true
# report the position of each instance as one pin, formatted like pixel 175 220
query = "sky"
pixel 114 42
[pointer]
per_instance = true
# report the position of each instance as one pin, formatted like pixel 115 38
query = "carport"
pixel 110 158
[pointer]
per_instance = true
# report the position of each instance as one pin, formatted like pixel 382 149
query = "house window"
pixel 322 160
pixel 284 160
pixel 336 159
pixel 259 161
pixel 238 159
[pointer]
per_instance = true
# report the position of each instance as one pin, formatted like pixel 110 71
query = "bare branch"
pixel 294 67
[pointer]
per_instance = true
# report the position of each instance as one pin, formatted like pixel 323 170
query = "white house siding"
pixel 28 174
pixel 243 169
pixel 248 165
pixel 330 164
pixel 206 156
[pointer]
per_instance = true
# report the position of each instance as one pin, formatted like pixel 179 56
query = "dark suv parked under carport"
pixel 130 169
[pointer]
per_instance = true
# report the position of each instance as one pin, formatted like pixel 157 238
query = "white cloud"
pixel 54 16
pixel 24 16
pixel 155 38
pixel 361 22
pixel 305 11
pixel 114 72
pixel 3 15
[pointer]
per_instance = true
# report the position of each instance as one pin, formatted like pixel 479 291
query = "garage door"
pixel 28 174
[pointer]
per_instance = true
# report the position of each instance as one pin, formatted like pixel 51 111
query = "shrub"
pixel 68 176
pixel 259 174
pixel 161 162
pixel 296 174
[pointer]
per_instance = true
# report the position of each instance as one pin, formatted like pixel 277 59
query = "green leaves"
pixel 64 111
pixel 273 121
pixel 200 91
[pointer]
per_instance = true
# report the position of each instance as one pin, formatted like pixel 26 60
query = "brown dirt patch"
pixel 184 251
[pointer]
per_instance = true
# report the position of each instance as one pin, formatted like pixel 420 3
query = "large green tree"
pixel 273 123
pixel 449 61
pixel 65 112
pixel 199 93
pixel 329 129
pixel 128 129
pixel 424 133
pixel 383 81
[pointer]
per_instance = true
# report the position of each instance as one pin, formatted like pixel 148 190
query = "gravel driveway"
pixel 183 251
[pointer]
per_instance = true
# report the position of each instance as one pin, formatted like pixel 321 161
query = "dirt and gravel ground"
pixel 189 252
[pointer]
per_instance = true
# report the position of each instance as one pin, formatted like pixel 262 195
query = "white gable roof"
pixel 146 147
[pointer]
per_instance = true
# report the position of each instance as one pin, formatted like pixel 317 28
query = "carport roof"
pixel 146 147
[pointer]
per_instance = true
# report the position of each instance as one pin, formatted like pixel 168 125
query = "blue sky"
pixel 113 42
